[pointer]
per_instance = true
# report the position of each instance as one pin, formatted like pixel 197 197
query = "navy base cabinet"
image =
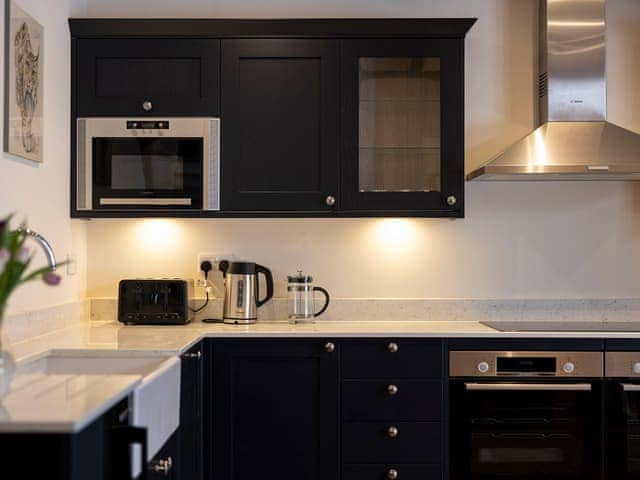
pixel 274 410
pixel 393 409
pixel 190 430
pixel 98 452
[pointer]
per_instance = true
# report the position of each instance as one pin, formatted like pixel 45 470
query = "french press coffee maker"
pixel 302 297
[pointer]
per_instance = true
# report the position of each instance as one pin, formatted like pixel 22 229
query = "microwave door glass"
pixel 154 170
pixel 147 172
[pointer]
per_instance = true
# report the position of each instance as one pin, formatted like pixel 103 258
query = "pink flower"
pixel 4 258
pixel 23 255
pixel 51 278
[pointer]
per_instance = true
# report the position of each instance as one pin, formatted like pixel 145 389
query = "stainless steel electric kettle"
pixel 241 291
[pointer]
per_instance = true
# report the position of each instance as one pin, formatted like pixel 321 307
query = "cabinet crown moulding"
pixel 302 27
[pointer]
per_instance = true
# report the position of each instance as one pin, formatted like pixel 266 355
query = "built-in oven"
pixel 150 163
pixel 622 441
pixel 525 415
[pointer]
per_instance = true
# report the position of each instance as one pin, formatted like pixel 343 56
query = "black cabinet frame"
pixel 451 55
pixel 336 42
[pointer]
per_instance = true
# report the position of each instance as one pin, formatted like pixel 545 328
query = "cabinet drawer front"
pixel 392 400
pixel 416 442
pixel 178 77
pixel 389 358
pixel 385 471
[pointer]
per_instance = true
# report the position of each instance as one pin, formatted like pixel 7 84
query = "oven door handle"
pixel 551 387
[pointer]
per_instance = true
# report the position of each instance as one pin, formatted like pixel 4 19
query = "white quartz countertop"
pixel 176 339
pixel 67 403
pixel 61 403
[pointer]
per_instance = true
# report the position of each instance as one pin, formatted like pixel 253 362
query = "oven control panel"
pixel 623 364
pixel 526 364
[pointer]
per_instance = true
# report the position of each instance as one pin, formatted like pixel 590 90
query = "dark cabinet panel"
pixel 392 400
pixel 98 452
pixel 274 411
pixel 176 76
pixel 400 358
pixel 280 124
pixel 403 127
pixel 371 442
pixel 190 437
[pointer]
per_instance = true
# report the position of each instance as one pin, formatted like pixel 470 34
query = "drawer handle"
pixel 193 355
pixel 329 347
pixel 392 474
pixel 393 347
pixel 392 432
pixel 392 389
pixel 163 466
pixel 147 106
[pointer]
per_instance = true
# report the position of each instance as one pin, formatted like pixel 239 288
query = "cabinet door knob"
pixel 163 466
pixel 451 200
pixel 393 347
pixel 329 347
pixel 392 389
pixel 193 355
pixel 392 432
pixel 330 200
pixel 392 474
pixel 147 105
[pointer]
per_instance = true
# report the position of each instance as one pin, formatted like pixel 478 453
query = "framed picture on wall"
pixel 23 94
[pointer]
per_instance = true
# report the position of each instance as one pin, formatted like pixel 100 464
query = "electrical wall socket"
pixel 214 258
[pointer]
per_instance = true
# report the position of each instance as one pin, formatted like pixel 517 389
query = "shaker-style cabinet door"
pixel 403 126
pixel 280 125
pixel 147 77
pixel 274 408
pixel 190 437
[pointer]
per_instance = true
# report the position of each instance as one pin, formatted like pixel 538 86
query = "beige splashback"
pixel 413 310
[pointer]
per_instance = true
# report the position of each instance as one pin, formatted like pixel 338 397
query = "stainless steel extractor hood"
pixel 574 141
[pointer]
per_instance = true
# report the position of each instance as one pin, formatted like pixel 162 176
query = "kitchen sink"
pixel 94 363
pixel 155 402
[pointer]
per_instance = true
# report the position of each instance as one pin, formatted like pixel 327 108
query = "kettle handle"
pixel 269 278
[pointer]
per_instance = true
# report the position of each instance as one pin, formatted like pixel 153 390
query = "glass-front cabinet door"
pixel 403 126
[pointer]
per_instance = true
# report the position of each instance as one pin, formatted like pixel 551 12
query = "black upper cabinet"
pixel 280 119
pixel 319 117
pixel 175 76
pixel 274 407
pixel 403 129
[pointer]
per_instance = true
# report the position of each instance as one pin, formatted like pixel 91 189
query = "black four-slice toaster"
pixel 153 302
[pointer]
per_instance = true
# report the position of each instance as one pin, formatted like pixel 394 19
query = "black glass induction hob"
pixel 559 326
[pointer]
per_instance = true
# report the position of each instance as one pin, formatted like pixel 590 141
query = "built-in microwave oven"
pixel 149 163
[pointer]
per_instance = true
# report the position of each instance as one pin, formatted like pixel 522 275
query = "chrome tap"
pixel 46 246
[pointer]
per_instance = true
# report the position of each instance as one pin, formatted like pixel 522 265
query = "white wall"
pixel 39 193
pixel 557 240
